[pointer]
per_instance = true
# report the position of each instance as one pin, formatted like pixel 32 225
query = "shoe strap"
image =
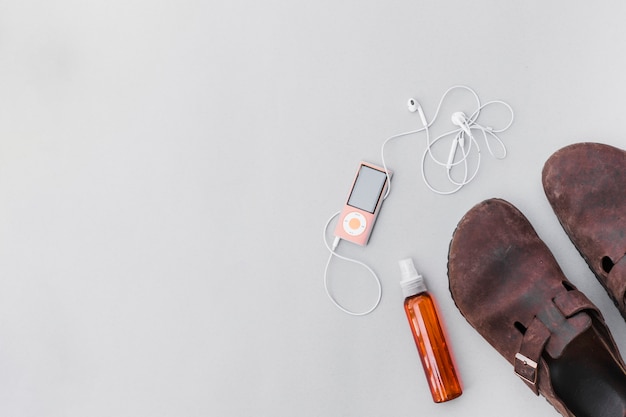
pixel 571 302
pixel 552 329
pixel 616 282
pixel 526 362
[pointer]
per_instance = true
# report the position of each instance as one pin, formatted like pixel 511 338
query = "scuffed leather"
pixel 506 283
pixel 585 184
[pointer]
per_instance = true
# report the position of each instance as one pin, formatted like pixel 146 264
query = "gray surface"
pixel 166 169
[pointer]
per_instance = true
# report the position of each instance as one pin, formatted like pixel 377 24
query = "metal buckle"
pixel 526 368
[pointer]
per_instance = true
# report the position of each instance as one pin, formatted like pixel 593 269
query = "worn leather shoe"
pixel 506 283
pixel 586 185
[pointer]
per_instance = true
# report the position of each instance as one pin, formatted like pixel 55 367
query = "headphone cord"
pixel 332 251
pixel 462 133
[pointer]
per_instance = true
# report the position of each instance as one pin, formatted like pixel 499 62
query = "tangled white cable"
pixel 463 140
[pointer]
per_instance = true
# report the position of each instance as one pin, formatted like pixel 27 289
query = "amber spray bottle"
pixel 429 335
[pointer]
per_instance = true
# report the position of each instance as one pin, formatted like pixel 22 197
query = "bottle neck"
pixel 408 297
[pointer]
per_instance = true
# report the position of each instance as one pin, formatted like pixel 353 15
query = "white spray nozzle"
pixel 407 269
pixel 412 283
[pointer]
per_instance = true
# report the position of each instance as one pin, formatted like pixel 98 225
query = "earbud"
pixel 458 119
pixel 414 106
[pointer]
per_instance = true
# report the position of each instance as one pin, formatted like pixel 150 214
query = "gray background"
pixel 166 168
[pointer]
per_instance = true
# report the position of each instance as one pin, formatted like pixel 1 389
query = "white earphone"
pixel 413 107
pixel 460 136
pixel 459 119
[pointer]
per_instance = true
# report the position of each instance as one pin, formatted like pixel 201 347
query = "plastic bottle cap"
pixel 412 283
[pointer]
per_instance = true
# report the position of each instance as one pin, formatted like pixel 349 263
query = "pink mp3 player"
pixel 366 196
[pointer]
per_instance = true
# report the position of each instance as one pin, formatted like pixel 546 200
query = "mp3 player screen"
pixel 367 188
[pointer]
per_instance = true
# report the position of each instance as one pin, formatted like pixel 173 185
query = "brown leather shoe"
pixel 586 186
pixel 508 286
